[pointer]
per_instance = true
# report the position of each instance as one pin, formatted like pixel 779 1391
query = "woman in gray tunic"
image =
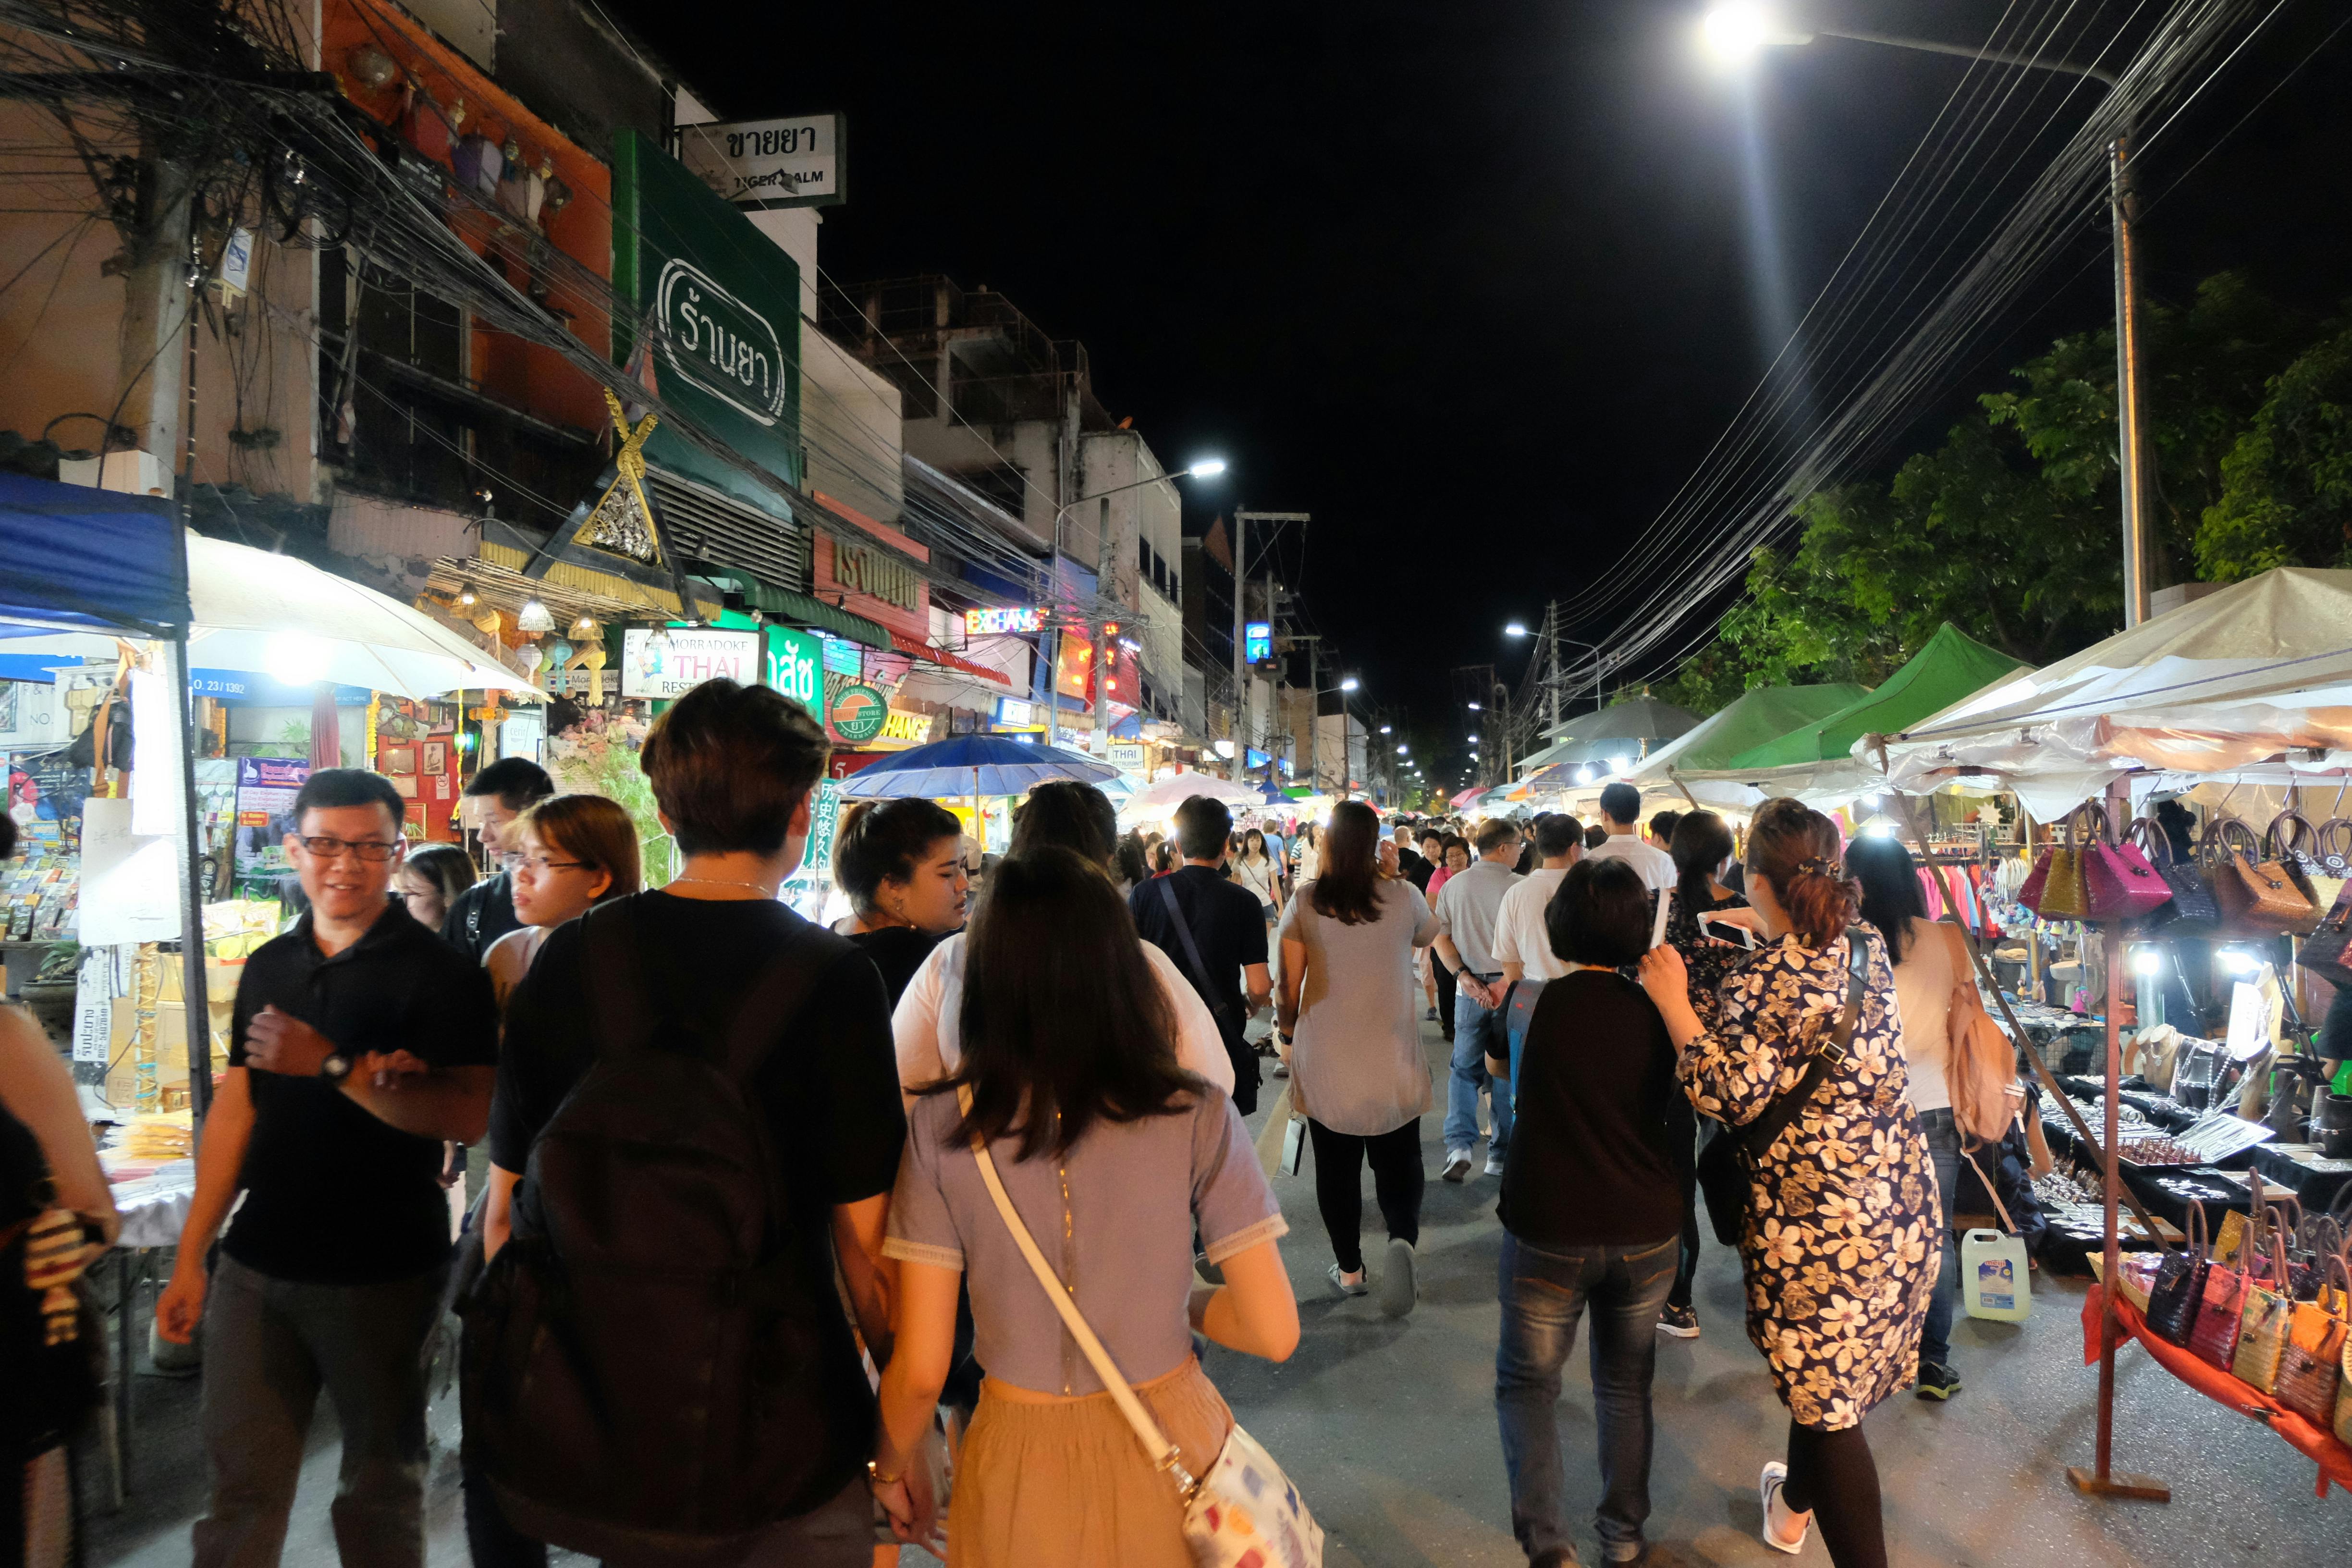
pixel 1350 1022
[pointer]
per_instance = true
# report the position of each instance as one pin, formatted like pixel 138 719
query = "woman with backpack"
pixel 1838 1239
pixel 1110 1154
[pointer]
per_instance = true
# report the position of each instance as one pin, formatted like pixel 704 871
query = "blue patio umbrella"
pixel 971 766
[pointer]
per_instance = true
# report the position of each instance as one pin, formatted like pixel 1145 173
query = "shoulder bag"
pixel 2292 845
pixel 2195 912
pixel 2214 1340
pixel 2258 898
pixel 1727 1171
pixel 2179 1286
pixel 2118 882
pixel 2262 1330
pixel 2311 1368
pixel 1243 1513
pixel 1216 998
pixel 2055 889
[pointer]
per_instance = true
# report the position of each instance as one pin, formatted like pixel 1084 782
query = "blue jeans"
pixel 1544 1293
pixel 1943 1135
pixel 1478 1033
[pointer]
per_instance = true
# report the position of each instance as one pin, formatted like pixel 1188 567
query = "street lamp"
pixel 1515 630
pixel 1314 733
pixel 1205 468
pixel 1738 30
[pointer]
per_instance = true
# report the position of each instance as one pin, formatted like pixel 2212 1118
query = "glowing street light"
pixel 1515 630
pixel 1349 684
pixel 1475 709
pixel 1207 468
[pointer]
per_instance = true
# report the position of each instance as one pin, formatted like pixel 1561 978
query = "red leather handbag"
pixel 2120 882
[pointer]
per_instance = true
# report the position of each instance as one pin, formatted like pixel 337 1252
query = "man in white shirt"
pixel 1620 812
pixel 1522 944
pixel 1466 912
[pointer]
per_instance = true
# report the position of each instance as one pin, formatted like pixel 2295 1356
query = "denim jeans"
pixel 1943 1135
pixel 1544 1293
pixel 1478 1033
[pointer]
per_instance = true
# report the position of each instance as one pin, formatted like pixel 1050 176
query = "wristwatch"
pixel 336 1068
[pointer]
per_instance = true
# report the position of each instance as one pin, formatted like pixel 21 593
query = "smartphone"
pixel 1747 937
pixel 1658 927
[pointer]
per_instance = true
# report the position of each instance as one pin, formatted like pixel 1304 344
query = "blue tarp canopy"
pixel 73 556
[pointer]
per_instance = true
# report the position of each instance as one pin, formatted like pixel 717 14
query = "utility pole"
pixel 1241 686
pixel 2130 416
pixel 1552 675
pixel 1315 716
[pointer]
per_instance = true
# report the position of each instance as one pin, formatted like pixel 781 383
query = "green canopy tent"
pixel 1816 756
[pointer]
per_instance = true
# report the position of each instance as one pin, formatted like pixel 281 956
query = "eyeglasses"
pixel 539 865
pixel 372 850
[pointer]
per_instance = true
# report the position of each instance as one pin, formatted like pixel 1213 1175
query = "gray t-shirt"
pixel 1466 908
pixel 1357 1063
pixel 1122 1238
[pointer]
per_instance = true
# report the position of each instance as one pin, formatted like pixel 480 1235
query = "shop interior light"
pixel 533 617
pixel 1618 764
pixel 466 598
pixel 2239 962
pixel 1584 775
pixel 2147 959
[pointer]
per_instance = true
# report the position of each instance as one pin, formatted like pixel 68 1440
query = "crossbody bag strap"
pixel 1164 1454
pixel 1209 992
pixel 2007 1223
pixel 1758 1136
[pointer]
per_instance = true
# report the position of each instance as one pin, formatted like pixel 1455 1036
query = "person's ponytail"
pixel 1796 849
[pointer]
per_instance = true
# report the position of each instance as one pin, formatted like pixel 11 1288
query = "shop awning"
pixel 806 610
pixel 74 556
pixel 945 660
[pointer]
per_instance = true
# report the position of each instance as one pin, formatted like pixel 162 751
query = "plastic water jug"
pixel 1993 1280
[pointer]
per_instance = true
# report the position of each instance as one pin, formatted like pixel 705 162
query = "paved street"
pixel 1389 1429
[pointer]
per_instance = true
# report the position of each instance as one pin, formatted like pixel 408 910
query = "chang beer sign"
pixel 722 302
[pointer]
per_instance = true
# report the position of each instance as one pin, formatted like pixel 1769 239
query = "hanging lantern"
pixel 534 617
pixel 529 657
pixel 593 658
pixel 559 665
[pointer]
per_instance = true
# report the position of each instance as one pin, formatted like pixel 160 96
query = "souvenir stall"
pixel 2178 871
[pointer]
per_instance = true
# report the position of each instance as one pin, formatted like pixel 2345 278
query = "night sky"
pixel 1470 283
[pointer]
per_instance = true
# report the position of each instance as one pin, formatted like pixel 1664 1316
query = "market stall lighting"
pixel 2240 962
pixel 533 617
pixel 466 596
pixel 1207 468
pixel 1618 764
pixel 1474 739
pixel 296 658
pixel 1584 775
pixel 2147 960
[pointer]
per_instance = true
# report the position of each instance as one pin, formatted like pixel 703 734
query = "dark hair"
pixel 1621 803
pixel 1065 1023
pixel 1429 831
pixel 446 866
pixel 330 788
pixel 1063 813
pixel 880 841
pixel 8 837
pixel 1701 843
pixel 1600 914
pixel 1130 858
pixel 1496 832
pixel 1449 843
pixel 1891 896
pixel 1556 832
pixel 1163 856
pixel 516 780
pixel 1203 827
pixel 1796 849
pixel 1347 888
pixel 2179 826
pixel 1265 851
pixel 1595 836
pixel 730 764
pixel 593 828
pixel 562 714
pixel 1662 825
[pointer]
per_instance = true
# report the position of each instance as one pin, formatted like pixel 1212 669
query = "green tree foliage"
pixel 2009 529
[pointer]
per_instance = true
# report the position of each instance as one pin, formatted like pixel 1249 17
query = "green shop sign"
pixel 724 301
pixel 794 664
pixel 859 711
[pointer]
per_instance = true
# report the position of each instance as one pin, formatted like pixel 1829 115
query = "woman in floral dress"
pixel 1840 1245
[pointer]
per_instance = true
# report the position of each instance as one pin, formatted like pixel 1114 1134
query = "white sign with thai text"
pixel 670 661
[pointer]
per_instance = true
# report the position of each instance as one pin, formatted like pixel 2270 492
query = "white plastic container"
pixel 1994 1282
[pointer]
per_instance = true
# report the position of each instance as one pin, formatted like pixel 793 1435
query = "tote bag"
pixel 2311 1371
pixel 2179 1287
pixel 1243 1513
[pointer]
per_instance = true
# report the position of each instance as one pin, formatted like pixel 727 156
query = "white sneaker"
pixel 1493 1164
pixel 1399 1288
pixel 1457 1165
pixel 1779 1515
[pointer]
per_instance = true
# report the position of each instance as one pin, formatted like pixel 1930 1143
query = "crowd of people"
pixel 763 1209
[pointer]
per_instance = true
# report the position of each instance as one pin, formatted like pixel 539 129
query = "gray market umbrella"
pixel 1620 729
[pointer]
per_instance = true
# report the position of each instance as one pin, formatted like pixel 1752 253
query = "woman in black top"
pixel 1701 846
pixel 1590 1208
pixel 901 864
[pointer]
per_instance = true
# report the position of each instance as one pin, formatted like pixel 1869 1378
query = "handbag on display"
pixel 2262 1330
pixel 1243 1513
pixel 2323 951
pixel 2196 913
pixel 2055 890
pixel 1726 1176
pixel 2258 899
pixel 2222 1303
pixel 2311 1370
pixel 2291 844
pixel 2179 1287
pixel 2118 883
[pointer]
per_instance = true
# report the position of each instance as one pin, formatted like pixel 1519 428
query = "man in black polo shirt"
pixel 500 794
pixel 360 1043
pixel 1227 930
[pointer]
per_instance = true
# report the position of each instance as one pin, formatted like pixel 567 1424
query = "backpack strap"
pixel 1759 1134
pixel 1209 992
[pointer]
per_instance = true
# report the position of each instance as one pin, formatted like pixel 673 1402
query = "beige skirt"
pixel 1046 1482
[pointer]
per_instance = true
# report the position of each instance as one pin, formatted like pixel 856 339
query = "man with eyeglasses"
pixel 494 797
pixel 360 1043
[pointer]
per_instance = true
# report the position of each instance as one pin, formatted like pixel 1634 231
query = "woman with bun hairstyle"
pixel 1839 1245
pixel 900 864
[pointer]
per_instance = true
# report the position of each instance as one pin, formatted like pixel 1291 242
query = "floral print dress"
pixel 1839 1246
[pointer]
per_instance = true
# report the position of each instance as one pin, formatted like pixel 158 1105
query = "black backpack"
pixel 652 1362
